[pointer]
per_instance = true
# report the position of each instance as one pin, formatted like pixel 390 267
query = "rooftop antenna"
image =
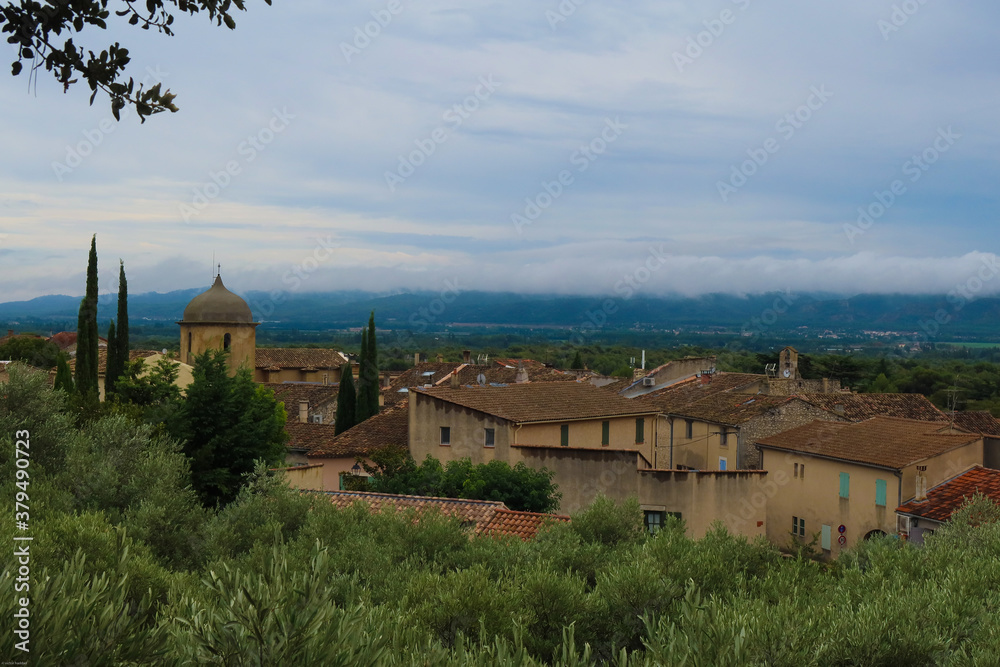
pixel 952 402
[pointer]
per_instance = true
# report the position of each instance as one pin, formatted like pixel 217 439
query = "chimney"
pixel 467 356
pixel 921 490
pixel 839 408
pixel 10 332
pixel 454 381
pixel 416 358
pixel 826 385
pixel 522 374
pixel 303 411
pixel 440 358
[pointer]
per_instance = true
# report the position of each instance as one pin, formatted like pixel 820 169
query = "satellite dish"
pixel 481 379
pixel 787 372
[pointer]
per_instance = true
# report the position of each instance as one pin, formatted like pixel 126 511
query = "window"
pixel 845 485
pixel 640 431
pixel 800 470
pixel 880 492
pixel 688 429
pixel 564 435
pixel 326 378
pixel 654 520
pixel 605 432
pixel 227 340
pixel 796 471
pixel 723 463
pixel 798 526
pixel 489 439
pixel 825 540
pixel 724 438
pixel 445 435
pixel 189 344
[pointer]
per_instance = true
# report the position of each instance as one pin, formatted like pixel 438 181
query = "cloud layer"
pixel 548 147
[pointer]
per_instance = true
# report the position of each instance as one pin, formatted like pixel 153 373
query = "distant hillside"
pixel 429 311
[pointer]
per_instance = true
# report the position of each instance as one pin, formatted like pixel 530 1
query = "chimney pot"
pixel 303 411
pixel 416 358
pixel 454 381
pixel 466 356
pixel 440 358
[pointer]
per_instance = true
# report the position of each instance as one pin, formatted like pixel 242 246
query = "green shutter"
pixel 640 430
pixel 825 540
pixel 605 433
pixel 564 435
pixel 880 492
pixel 845 485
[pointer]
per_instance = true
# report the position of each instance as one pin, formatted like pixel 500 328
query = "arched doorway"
pixel 875 533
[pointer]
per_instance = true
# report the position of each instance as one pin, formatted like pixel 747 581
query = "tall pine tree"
pixel 86 330
pixel 361 410
pixel 346 401
pixel 118 349
pixel 372 387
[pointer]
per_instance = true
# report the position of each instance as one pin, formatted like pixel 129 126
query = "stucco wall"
pixel 321 376
pixel 815 496
pixel 588 433
pixel 782 418
pixel 699 497
pixel 468 432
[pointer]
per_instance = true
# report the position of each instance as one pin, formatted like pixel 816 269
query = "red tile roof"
pixel 978 422
pixel 439 374
pixel 945 498
pixel 307 436
pixel 541 402
pixel 680 395
pixel 64 339
pixel 486 517
pixel 887 442
pixel 270 358
pixel 390 427
pixel 290 393
pixel 519 524
pixel 858 407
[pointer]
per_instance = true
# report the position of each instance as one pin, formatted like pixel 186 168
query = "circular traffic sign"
pixel 842 540
pixel 842 529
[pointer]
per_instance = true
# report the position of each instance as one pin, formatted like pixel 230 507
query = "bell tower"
pixel 219 320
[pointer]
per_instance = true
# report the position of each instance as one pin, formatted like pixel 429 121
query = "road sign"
pixel 842 540
pixel 842 529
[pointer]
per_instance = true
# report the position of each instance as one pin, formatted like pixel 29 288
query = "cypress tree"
pixel 64 376
pixel 86 330
pixel 372 386
pixel 118 347
pixel 346 401
pixel 362 411
pixel 577 362
pixel 123 343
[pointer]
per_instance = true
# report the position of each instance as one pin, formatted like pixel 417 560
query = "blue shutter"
pixel 723 464
pixel 845 485
pixel 825 540
pixel 880 492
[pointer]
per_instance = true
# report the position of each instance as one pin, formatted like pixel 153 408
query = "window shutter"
pixel 605 432
pixel 640 430
pixel 880 492
pixel 845 485
pixel 564 435
pixel 825 540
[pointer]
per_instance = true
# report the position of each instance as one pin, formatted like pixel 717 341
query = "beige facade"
pixel 240 340
pixel 584 467
pixel 467 432
pixel 325 476
pixel 812 489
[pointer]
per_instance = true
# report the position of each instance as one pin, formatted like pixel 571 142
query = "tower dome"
pixel 218 304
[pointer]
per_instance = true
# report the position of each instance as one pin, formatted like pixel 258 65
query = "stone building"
pixel 219 320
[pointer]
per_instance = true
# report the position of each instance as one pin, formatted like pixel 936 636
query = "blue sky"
pixel 522 145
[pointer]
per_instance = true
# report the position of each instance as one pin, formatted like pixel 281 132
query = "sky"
pixel 729 146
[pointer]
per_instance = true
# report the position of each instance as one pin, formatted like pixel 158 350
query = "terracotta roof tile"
pixel 887 442
pixel 388 427
pixel 539 402
pixel 290 393
pixel 679 395
pixel 947 497
pixel 298 357
pixel 978 422
pixel 731 408
pixel 439 374
pixel 477 512
pixel 307 436
pixel 857 407
pixel 486 517
pixel 519 524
